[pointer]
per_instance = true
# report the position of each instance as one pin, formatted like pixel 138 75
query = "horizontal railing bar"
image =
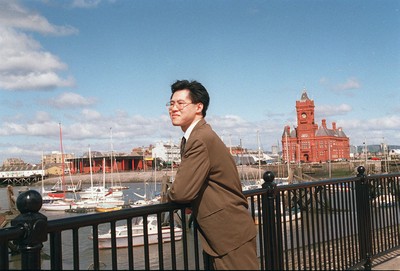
pixel 99 218
pixel 12 233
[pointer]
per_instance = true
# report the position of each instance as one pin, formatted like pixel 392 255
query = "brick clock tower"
pixel 310 143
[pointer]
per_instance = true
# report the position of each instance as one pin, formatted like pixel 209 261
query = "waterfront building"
pixel 309 142
pixel 100 163
pixel 140 158
pixel 394 153
pixel 9 162
pixel 167 152
pixel 56 157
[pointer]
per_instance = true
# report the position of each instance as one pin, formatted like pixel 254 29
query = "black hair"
pixel 197 92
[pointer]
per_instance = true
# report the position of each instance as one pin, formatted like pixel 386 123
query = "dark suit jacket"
pixel 208 178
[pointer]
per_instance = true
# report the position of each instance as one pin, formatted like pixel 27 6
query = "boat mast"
pixel 287 154
pixel 366 154
pixel 62 161
pixel 91 173
pixel 42 175
pixel 112 159
pixel 104 176
pixel 259 155
pixel 279 161
pixel 155 174
pixel 329 157
pixel 144 179
pixel 241 151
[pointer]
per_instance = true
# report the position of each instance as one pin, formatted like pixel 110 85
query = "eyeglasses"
pixel 180 105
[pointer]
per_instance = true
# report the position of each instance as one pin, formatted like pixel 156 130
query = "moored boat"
pixel 95 192
pixel 107 208
pixel 138 238
pixel 58 205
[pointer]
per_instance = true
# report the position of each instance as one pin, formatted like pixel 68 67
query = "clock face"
pixel 304 115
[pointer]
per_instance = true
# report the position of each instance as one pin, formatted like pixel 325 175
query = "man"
pixel 208 178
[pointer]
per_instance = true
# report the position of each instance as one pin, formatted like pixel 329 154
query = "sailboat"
pixel 258 181
pixel 146 199
pixel 289 178
pixel 97 192
pixel 57 200
pixel 49 195
pixel 113 164
pixel 97 196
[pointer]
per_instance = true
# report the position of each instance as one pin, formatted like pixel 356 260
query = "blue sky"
pixel 103 69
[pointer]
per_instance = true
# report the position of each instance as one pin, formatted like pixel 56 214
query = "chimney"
pixel 334 125
pixel 324 123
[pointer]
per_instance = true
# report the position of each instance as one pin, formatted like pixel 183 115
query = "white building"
pixel 168 152
pixel 394 153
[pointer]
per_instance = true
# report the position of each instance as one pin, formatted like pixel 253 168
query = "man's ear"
pixel 199 108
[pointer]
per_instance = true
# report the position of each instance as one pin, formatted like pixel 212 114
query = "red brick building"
pixel 309 143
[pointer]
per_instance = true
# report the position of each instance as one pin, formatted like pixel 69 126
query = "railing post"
pixel 364 217
pixel 35 226
pixel 272 255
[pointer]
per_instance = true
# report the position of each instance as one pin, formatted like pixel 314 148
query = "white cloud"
pixel 373 130
pixel 32 129
pixel 16 151
pixel 71 100
pixel 13 15
pixel 21 53
pixel 385 123
pixel 42 117
pixel 33 81
pixel 85 3
pixel 129 131
pixel 332 110
pixel 91 114
pixel 25 65
pixel 350 84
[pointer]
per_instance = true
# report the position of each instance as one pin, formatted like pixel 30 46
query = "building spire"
pixel 304 96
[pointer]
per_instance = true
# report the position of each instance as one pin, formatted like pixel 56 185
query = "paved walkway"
pixel 390 261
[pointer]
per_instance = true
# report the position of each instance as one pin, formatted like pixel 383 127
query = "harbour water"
pixel 85 244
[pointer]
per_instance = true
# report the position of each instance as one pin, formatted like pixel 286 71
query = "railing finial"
pixel 268 176
pixel 360 170
pixel 34 225
pixel 29 201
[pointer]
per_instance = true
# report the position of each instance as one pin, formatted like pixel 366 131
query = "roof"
pixel 292 133
pixel 304 96
pixel 26 167
pixel 322 131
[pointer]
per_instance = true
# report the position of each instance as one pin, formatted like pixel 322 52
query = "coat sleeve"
pixel 192 173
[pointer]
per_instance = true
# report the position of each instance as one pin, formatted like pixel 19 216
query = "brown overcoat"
pixel 208 178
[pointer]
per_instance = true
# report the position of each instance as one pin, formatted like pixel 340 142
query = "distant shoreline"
pixel 123 177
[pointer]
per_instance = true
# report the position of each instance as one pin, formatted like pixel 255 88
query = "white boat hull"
pixel 99 192
pixel 138 240
pixel 58 205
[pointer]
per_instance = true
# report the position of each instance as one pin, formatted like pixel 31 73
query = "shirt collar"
pixel 190 129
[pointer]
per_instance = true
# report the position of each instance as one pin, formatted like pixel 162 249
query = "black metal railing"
pixel 331 224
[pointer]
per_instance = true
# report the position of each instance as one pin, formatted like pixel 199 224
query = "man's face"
pixel 182 111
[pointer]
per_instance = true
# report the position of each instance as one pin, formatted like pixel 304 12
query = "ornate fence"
pixel 331 224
